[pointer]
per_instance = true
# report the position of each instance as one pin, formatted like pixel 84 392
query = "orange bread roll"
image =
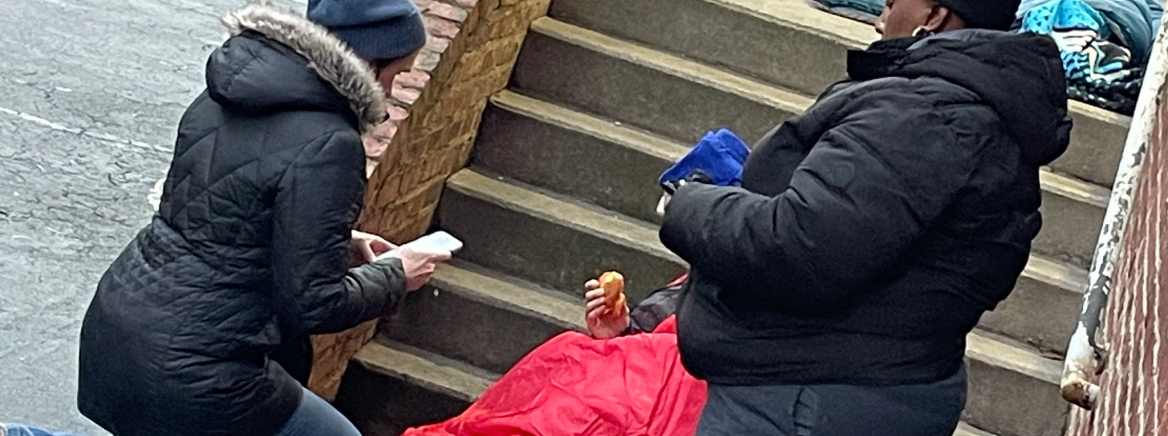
pixel 613 284
pixel 621 307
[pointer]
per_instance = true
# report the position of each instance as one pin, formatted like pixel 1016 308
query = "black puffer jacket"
pixel 872 232
pixel 249 249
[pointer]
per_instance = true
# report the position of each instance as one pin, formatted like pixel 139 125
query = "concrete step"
pixel 793 45
pixel 554 241
pixel 1043 308
pixel 564 151
pixel 530 234
pixel 434 384
pixel 1009 383
pixel 390 387
pixel 612 166
pixel 616 167
pixel 451 318
pixel 1013 390
pixel 1072 215
pixel 651 90
pixel 800 48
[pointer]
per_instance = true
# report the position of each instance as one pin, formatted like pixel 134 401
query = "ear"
pixel 939 17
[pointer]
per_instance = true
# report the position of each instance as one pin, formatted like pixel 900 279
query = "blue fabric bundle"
pixel 719 155
pixel 1135 22
pixel 861 10
pixel 1104 45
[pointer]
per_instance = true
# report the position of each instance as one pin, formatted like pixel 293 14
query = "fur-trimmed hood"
pixel 262 68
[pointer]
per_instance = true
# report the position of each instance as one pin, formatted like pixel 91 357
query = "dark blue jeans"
pixel 316 417
pixel 834 410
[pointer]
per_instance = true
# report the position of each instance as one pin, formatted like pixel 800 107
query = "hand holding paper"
pixel 421 257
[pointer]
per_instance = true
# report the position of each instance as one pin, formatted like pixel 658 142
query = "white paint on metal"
pixel 1086 348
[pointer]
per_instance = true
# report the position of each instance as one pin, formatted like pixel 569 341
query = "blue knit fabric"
pixel 1104 43
pixel 1136 21
pixel 1102 51
pixel 871 7
pixel 24 430
pixel 375 29
pixel 720 155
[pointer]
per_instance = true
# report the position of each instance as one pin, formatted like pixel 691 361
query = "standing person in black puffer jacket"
pixel 831 294
pixel 250 250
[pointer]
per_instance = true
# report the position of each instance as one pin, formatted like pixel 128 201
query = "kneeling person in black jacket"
pixel 249 251
pixel 832 293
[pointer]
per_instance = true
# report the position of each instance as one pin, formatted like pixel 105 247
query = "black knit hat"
pixel 984 14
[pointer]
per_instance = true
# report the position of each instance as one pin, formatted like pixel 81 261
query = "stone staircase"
pixel 562 186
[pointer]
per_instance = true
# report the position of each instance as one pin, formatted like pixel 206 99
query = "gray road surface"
pixel 90 94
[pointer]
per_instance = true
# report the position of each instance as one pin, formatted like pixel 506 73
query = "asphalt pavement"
pixel 90 94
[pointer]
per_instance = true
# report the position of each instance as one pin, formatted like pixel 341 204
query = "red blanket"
pixel 579 386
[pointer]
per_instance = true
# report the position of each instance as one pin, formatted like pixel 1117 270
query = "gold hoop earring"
pixel 921 31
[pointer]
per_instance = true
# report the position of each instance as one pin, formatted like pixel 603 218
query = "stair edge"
pixel 619 229
pixel 696 72
pixel 423 368
pixel 510 296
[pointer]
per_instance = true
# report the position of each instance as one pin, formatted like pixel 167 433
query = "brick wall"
pixel 435 116
pixel 437 137
pixel 1133 398
pixel 443 21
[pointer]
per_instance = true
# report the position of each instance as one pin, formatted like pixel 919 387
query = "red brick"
pixel 437 138
pixel 428 60
pixel 437 44
pixel 1131 386
pixel 374 146
pixel 415 79
pixel 447 11
pixel 398 113
pixel 441 27
pixel 405 95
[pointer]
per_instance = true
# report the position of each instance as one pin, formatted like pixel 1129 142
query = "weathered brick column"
pixel 472 50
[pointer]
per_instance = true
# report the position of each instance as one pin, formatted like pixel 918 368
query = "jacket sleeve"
pixel 653 310
pixel 858 201
pixel 316 204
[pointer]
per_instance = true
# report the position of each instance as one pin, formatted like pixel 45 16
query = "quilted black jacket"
pixel 872 232
pixel 249 248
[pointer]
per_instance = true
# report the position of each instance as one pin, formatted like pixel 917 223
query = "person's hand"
pixel 364 247
pixel 419 263
pixel 662 204
pixel 602 322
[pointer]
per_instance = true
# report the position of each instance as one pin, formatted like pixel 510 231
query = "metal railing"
pixel 1087 351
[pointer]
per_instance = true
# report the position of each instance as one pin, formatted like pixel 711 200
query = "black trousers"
pixel 835 410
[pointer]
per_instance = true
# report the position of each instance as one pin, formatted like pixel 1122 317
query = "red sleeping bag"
pixel 579 386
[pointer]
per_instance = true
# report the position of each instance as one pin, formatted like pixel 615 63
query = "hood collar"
pixel 1020 77
pixel 330 58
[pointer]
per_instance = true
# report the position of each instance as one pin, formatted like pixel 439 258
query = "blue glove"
pixel 717 159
